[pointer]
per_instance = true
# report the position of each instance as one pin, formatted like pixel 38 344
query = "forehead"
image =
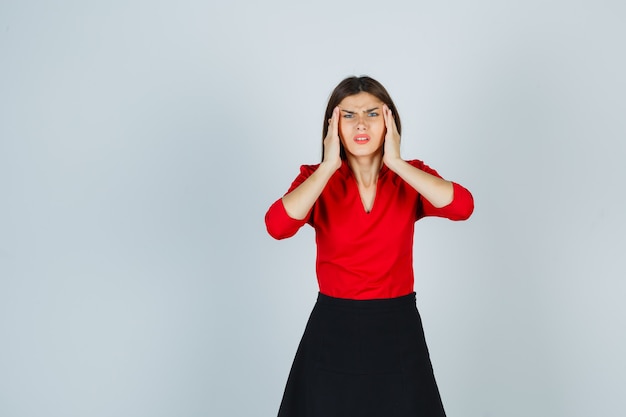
pixel 360 101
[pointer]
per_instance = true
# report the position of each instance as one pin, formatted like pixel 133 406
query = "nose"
pixel 361 122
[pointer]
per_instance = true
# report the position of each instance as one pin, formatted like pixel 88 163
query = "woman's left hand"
pixel 436 190
pixel 392 138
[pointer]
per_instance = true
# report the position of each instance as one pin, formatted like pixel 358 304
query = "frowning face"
pixel 361 124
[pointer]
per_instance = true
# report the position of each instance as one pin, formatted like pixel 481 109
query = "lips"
pixel 362 139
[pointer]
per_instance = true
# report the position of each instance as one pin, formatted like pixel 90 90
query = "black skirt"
pixel 362 358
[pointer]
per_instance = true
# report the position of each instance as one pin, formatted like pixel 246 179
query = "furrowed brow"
pixel 364 111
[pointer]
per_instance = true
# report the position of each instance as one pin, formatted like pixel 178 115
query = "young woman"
pixel 363 352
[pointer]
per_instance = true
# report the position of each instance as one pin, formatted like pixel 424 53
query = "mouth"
pixel 362 139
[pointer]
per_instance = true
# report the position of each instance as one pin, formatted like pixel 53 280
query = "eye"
pixel 372 114
pixel 348 116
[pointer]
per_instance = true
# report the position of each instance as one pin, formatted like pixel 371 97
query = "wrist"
pixel 394 163
pixel 329 167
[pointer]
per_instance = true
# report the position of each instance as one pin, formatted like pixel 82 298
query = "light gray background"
pixel 141 143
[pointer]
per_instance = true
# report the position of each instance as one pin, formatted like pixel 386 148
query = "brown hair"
pixel 349 87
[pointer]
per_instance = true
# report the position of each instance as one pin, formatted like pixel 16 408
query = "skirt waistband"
pixel 374 304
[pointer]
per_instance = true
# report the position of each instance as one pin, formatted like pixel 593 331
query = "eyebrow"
pixel 365 111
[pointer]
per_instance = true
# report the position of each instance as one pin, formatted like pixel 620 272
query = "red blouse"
pixel 364 255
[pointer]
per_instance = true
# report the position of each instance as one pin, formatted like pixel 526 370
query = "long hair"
pixel 349 87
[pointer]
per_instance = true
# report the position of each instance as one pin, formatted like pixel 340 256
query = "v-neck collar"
pixel 349 175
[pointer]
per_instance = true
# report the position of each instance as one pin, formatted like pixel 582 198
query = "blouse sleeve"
pixel 461 206
pixel 278 223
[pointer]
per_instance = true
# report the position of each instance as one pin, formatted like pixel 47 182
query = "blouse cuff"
pixel 279 224
pixel 461 206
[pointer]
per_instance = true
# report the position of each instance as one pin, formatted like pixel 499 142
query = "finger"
pixel 386 112
pixel 390 122
pixel 330 120
pixel 390 118
pixel 335 122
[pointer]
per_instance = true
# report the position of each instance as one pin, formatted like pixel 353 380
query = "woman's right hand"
pixel 332 147
pixel 299 201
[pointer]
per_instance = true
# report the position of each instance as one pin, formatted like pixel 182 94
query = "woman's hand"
pixel 298 202
pixel 436 190
pixel 392 139
pixel 332 147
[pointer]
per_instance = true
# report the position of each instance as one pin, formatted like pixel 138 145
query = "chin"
pixel 364 153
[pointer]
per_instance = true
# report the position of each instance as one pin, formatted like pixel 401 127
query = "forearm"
pixel 437 191
pixel 298 202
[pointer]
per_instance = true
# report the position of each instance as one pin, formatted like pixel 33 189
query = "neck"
pixel 365 168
